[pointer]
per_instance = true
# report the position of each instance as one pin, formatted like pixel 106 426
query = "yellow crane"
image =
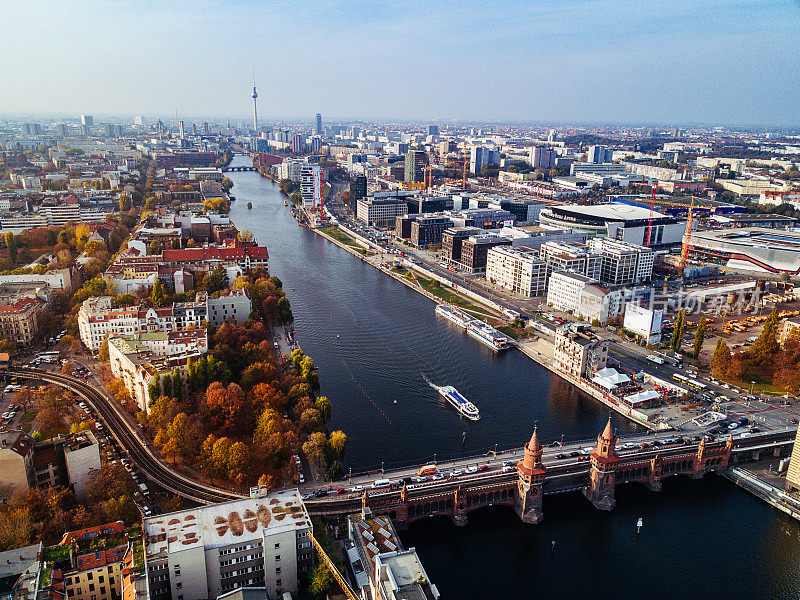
pixel 332 568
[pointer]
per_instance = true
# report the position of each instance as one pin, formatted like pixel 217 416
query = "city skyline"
pixel 569 62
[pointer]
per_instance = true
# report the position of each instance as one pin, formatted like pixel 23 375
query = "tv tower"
pixel 255 98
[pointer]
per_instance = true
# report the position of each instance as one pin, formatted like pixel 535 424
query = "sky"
pixel 671 62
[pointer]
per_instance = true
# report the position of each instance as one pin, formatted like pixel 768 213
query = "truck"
pixel 656 359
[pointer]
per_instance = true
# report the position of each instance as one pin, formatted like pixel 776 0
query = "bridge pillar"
pixel 402 510
pixel 602 475
pixel 531 471
pixel 653 482
pixel 460 507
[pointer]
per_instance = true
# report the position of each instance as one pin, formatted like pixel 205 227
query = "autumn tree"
pixel 721 360
pixel 765 349
pixel 11 245
pixel 677 331
pixel 157 294
pixel 699 336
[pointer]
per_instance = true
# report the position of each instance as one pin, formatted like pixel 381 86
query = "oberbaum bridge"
pixel 596 476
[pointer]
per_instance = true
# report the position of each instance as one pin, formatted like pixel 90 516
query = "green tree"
pixel 124 202
pixel 103 353
pixel 677 332
pixel 699 336
pixel 765 349
pixel 217 281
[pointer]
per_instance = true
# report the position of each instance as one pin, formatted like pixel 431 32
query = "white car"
pixel 472 469
pixel 456 473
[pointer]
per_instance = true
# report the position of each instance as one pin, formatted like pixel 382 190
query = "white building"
pixel 564 290
pixel 236 306
pixel 517 269
pixel 311 186
pixel 599 154
pixel 644 322
pixel 579 355
pixel 82 455
pixel 381 212
pixel 596 303
pixel 563 256
pixel 203 552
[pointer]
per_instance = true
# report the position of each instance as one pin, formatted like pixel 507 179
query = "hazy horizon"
pixel 573 62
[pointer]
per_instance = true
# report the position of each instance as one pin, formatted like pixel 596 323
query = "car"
pixel 644 446
pixel 307 496
pixel 321 493
pixel 418 479
pixel 574 453
pixel 509 463
pixel 628 446
pixel 301 478
pixel 437 477
pixel 733 426
pixel 357 488
pixel 587 450
pixel 341 491
pixel 561 455
pixel 656 444
pixel 472 469
pixel 456 473
pixel 406 480
pixel 483 468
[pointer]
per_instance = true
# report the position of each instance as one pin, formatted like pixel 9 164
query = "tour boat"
pixel 488 335
pixel 461 404
pixel 454 315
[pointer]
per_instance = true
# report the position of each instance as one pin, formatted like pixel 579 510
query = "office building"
pixel 608 169
pixel 87 120
pixel 622 263
pixel 517 269
pixel 318 125
pixel 481 157
pixel 599 154
pixel 433 130
pixel 204 552
pixel 297 144
pixel 564 290
pixel 311 186
pixel 426 230
pixel 598 304
pixel 574 257
pixel 453 240
pixel 579 354
pixel 416 160
pixel 358 191
pixel 542 156
pixel 475 250
pixel 380 212
pixel 644 322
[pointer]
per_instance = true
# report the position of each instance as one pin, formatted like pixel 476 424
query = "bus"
pixel 693 383
pixel 428 469
pixel 681 378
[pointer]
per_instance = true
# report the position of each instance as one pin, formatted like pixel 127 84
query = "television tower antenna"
pixel 255 98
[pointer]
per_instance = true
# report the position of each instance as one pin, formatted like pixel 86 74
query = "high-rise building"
pixel 552 136
pixel 311 186
pixel 62 129
pixel 415 163
pixel 433 130
pixel 599 154
pixel 139 120
pixel 318 125
pixel 541 156
pixel 316 144
pixel 87 120
pixel 358 191
pixel 297 143
pixel 481 157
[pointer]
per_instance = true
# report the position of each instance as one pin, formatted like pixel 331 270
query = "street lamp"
pixel 751 387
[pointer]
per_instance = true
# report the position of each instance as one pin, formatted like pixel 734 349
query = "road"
pixel 130 437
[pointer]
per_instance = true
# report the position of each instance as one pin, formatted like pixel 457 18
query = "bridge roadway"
pixel 128 434
pixel 564 474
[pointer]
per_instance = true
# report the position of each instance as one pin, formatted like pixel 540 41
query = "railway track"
pixel 146 458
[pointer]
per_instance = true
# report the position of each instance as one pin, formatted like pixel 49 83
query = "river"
pixel 380 348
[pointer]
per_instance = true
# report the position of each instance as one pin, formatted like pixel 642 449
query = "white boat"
pixel 461 404
pixel 454 315
pixel 488 335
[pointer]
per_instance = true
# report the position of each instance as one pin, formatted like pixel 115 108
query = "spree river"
pixel 380 348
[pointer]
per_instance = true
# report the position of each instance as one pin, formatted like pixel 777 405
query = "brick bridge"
pixel 596 476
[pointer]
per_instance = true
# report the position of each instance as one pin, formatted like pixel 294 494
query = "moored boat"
pixel 488 335
pixel 454 315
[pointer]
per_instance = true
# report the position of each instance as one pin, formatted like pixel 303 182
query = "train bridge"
pixel 239 168
pixel 596 475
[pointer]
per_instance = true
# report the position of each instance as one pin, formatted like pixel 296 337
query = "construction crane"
pixel 687 236
pixel 332 568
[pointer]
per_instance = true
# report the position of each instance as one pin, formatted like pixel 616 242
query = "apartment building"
pixel 311 186
pixel 97 557
pixel 475 250
pixel 236 306
pixel 579 354
pixel 622 263
pixel 517 269
pixel 207 551
pixel 453 240
pixel 19 320
pixel 137 360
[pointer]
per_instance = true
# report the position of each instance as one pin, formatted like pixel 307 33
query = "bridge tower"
pixel 531 471
pixel 653 482
pixel 460 506
pixel 602 475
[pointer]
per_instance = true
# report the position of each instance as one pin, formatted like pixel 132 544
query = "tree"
pixel 245 235
pixel 699 336
pixel 124 202
pixel 323 405
pixel 11 245
pixel 157 295
pixel 721 360
pixel 217 281
pixel 337 442
pixel 67 368
pixel 238 459
pixel 677 332
pixel 103 353
pixel 219 455
pixel 766 348
pixel 315 447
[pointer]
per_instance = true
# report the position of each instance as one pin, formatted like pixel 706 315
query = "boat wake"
pixel 430 383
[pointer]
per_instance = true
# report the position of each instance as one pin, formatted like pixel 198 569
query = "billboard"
pixel 644 322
